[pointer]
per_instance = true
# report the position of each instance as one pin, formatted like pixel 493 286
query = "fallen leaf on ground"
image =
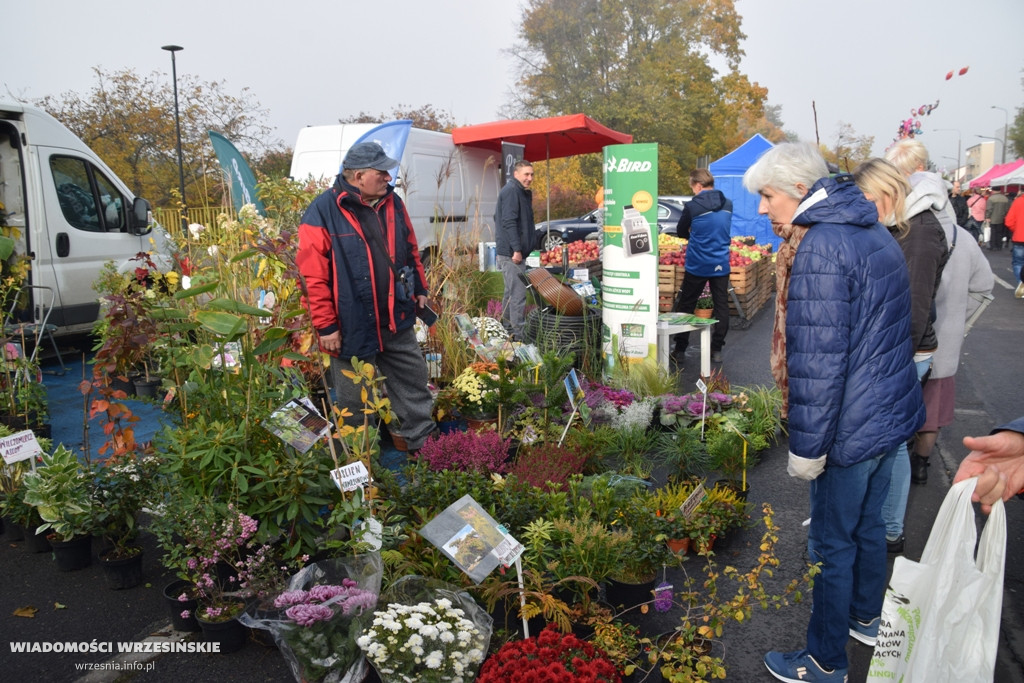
pixel 28 612
pixel 58 605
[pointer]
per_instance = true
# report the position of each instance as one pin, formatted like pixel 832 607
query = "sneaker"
pixel 716 356
pixel 1019 292
pixel 865 632
pixel 800 667
pixel 918 469
pixel 895 548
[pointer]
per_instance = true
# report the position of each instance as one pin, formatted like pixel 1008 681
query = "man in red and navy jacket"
pixel 363 289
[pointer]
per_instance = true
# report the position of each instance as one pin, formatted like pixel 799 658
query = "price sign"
pixel 20 446
pixel 509 550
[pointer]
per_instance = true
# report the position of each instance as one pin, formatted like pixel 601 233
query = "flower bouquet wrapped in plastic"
pixel 426 631
pixel 317 619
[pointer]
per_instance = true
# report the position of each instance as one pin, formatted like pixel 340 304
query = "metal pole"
pixel 1006 126
pixel 177 125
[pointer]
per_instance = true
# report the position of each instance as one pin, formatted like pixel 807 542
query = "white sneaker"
pixel 1019 293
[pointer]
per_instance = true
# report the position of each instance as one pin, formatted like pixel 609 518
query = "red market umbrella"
pixel 549 138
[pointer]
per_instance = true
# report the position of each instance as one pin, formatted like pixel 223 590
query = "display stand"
pixel 665 332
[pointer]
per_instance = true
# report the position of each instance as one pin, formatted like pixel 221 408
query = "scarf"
pixel 791 236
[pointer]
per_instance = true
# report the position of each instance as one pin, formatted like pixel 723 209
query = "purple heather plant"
pixel 470 451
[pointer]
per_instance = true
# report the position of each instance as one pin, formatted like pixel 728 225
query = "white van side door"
pixel 87 224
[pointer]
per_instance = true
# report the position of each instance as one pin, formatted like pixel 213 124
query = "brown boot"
pixel 918 469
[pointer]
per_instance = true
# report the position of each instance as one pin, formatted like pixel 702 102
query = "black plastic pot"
pixel 175 606
pixel 74 554
pixel 122 572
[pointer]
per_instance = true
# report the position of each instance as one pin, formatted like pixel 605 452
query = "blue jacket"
pixel 706 222
pixel 334 258
pixel 853 388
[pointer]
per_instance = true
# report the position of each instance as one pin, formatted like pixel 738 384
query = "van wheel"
pixel 552 240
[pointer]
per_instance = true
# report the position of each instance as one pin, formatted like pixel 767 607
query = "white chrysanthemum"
pixel 447 636
pixel 212 250
pixel 415 639
pixel 434 660
pixel 429 631
pixel 475 655
pixel 363 641
pixel 195 230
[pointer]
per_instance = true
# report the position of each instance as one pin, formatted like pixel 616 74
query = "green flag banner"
pixel 240 177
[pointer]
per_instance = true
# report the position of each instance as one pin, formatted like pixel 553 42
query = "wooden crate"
pixel 751 301
pixel 665 302
pixel 669 279
pixel 744 279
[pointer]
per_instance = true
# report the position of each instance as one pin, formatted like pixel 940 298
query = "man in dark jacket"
pixel 360 266
pixel 845 323
pixel 514 237
pixel 706 222
pixel 959 204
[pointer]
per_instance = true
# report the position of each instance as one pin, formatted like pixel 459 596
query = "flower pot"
pixel 122 572
pixel 36 543
pixel 146 388
pixel 679 546
pixel 12 531
pixel 74 554
pixel 172 592
pixel 398 441
pixel 229 633
pixel 479 424
pixel 626 595
pixel 703 312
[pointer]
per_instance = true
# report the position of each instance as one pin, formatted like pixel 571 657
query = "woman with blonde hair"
pixel 924 247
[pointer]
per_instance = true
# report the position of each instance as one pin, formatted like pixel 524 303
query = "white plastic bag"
pixel 940 619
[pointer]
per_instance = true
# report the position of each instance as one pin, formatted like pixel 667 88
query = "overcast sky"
pixel 866 62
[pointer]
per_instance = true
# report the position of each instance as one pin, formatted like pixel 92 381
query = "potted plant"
pixel 477 399
pixel 551 655
pixel 705 304
pixel 23 400
pixel 61 490
pixel 17 514
pixel 427 632
pixel 206 545
pixel 632 580
pixel 123 485
pixel 477 451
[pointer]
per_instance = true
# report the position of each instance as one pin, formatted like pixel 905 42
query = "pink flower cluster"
pixel 306 608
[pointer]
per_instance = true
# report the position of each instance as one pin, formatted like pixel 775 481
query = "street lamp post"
pixel 1006 126
pixel 177 125
pixel 958 138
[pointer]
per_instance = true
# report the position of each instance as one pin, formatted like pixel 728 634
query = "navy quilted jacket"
pixel 854 392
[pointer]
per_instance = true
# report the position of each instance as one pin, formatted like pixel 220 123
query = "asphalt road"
pixel 76 607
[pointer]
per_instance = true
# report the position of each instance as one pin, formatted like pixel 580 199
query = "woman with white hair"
pixel 842 347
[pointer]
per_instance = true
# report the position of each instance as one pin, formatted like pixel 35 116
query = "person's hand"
pixel 517 257
pixel 331 343
pixel 998 462
pixel 421 300
pixel 807 469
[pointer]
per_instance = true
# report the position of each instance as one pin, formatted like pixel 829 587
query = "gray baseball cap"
pixel 368 155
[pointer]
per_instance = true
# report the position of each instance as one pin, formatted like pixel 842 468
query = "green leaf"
pixel 222 324
pixel 242 255
pixel 268 345
pixel 238 307
pixel 196 290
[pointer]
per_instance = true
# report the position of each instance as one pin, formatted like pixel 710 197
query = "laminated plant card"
pixel 470 538
pixel 298 424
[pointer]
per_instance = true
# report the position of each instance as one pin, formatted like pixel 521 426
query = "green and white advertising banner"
pixel 630 256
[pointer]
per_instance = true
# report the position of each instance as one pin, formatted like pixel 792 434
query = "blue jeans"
pixel 847 536
pixel 895 507
pixel 1018 260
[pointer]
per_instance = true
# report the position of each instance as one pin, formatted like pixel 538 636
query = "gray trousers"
pixel 405 371
pixel 513 301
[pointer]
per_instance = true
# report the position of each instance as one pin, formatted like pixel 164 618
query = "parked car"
pixel 555 233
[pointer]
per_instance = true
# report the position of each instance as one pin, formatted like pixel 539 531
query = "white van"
pixel 73 213
pixel 448 190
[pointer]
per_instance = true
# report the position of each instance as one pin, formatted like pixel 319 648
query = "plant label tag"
pixel 701 387
pixel 350 477
pixel 689 505
pixel 20 446
pixel 509 550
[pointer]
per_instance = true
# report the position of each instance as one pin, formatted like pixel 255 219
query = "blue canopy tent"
pixel 728 172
